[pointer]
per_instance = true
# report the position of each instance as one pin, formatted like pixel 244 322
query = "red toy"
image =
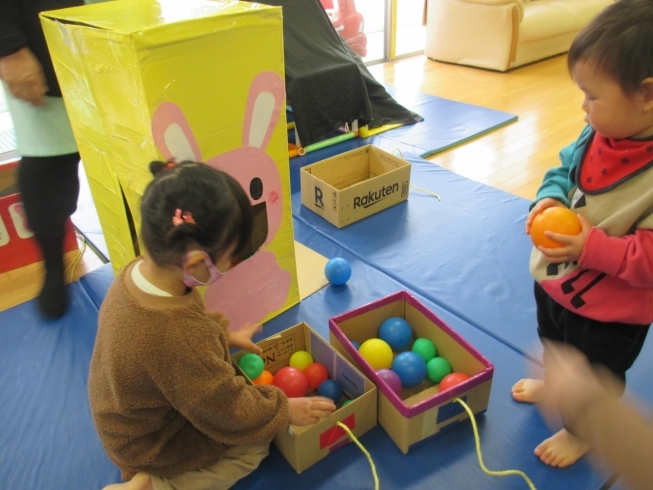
pixel 292 382
pixel 348 22
pixel 315 374
pixel 452 379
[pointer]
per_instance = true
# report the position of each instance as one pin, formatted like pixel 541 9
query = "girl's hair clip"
pixel 180 218
pixel 169 165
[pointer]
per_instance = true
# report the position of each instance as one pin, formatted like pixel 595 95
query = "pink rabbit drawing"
pixel 256 286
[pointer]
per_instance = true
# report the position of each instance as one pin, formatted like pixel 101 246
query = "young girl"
pixel 167 404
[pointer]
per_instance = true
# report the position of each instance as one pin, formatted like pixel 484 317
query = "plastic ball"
pixel 437 368
pixel 347 402
pixel 391 378
pixel 425 348
pixel 264 379
pixel 410 368
pixel 291 381
pixel 315 373
pixel 300 359
pixel 337 271
pixel 356 345
pixel 252 365
pixel 396 332
pixel 330 388
pixel 377 353
pixel 452 379
pixel 556 219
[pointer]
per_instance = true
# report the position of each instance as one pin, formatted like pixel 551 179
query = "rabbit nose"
pixel 256 188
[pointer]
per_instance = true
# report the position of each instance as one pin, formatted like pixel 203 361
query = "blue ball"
pixel 356 345
pixel 337 271
pixel 410 367
pixel 396 332
pixel 330 389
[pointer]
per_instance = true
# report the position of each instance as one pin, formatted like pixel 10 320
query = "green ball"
pixel 346 403
pixel 252 365
pixel 437 368
pixel 425 349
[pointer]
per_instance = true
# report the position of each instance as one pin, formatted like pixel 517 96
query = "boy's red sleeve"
pixel 629 258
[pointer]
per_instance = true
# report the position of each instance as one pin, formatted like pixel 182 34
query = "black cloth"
pixel 20 27
pixel 612 344
pixel 327 83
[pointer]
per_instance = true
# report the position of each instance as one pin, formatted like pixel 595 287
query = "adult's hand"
pixel 22 73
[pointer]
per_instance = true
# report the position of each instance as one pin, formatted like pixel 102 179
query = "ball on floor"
pixel 337 271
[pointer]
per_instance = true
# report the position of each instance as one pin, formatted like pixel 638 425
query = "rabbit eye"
pixel 256 188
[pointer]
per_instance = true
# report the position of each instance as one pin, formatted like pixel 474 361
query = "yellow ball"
pixel 377 352
pixel 301 359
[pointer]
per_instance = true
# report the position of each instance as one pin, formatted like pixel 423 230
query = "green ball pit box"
pixel 306 445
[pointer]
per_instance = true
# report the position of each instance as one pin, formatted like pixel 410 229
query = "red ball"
pixel 315 374
pixel 452 379
pixel 292 382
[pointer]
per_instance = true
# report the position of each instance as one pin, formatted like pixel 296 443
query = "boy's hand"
pixel 308 410
pixel 573 244
pixel 547 202
pixel 243 338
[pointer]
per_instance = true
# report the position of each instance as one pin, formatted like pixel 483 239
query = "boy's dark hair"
pixel 619 41
pixel 218 204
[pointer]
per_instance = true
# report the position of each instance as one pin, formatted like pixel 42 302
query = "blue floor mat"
pixel 468 252
pixel 447 123
pixel 49 441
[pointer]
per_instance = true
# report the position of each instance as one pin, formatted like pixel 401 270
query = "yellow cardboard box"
pixel 306 445
pixel 353 185
pixel 194 79
pixel 422 411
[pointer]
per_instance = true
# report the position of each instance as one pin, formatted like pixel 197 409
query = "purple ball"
pixel 391 378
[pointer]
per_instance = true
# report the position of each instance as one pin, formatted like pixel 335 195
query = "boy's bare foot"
pixel 562 449
pixel 141 481
pixel 528 390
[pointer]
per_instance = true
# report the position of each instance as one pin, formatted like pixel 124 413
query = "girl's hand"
pixel 243 338
pixel 547 202
pixel 22 73
pixel 573 244
pixel 308 410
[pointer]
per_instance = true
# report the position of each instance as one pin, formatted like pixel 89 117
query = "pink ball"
pixel 391 378
pixel 291 381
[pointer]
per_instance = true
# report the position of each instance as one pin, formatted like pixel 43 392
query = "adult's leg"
pixel 49 189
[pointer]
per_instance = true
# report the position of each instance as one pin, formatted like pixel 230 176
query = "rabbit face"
pixel 256 172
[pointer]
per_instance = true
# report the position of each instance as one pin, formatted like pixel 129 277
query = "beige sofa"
pixel 503 34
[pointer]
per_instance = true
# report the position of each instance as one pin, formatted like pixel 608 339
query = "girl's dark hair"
pixel 619 41
pixel 216 201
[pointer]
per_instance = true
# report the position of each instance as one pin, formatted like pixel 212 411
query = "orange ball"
pixel 556 219
pixel 264 379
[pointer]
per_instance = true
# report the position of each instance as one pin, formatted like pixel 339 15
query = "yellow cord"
pixel 480 455
pixel 425 190
pixel 414 186
pixel 369 458
pixel 73 265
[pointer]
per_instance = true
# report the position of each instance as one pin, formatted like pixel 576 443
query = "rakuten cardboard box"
pixel 353 185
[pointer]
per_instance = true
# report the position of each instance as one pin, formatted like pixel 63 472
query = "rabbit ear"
pixel 172 134
pixel 267 94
